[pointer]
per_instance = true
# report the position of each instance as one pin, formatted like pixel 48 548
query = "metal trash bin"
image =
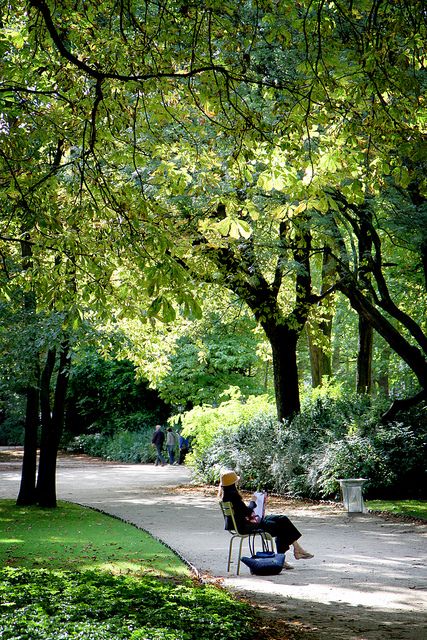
pixel 352 494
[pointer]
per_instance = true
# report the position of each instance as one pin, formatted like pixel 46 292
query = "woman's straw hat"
pixel 228 478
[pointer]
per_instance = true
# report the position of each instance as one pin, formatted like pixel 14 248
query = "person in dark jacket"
pixel 158 440
pixel 184 447
pixel 279 526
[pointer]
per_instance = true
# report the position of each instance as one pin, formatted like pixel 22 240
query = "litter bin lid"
pixel 352 480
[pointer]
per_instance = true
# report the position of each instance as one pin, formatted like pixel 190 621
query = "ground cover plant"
pixel 75 573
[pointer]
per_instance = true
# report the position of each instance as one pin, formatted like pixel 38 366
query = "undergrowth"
pixel 38 604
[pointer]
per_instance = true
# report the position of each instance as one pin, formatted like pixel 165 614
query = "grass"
pixel 408 508
pixel 75 537
pixel 74 573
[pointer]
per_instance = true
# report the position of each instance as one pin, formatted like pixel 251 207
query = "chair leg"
pixel 230 549
pixel 240 555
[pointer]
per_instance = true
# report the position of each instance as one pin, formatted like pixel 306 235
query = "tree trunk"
pixel 315 353
pixel 27 490
pixel 410 354
pixel 366 333
pixel 364 357
pixel 320 349
pixel 285 370
pixel 383 375
pixel 320 358
pixel 52 425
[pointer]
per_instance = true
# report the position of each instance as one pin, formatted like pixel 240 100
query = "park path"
pixel 367 581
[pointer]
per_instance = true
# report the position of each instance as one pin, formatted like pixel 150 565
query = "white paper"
pixel 259 497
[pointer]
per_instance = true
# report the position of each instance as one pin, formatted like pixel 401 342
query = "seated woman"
pixel 279 526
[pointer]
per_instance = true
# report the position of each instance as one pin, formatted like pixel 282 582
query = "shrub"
pixel 243 448
pixel 12 431
pixel 331 439
pixel 202 424
pixel 123 446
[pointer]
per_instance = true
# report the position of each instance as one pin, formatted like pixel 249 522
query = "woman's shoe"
pixel 287 566
pixel 303 555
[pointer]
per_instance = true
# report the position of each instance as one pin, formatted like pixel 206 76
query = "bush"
pixel 203 424
pixel 123 446
pixel 12 432
pixel 330 439
pixel 248 448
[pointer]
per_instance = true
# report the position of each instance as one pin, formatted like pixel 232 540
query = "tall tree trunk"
pixel 319 336
pixel 383 380
pixel 320 356
pixel 52 426
pixel 364 357
pixel 285 370
pixel 27 489
pixel 366 333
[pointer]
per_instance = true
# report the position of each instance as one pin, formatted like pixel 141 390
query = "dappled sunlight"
pixel 366 595
pixel 168 500
pixel 160 567
pixel 73 537
pixel 11 541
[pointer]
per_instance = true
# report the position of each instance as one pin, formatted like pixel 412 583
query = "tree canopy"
pixel 273 149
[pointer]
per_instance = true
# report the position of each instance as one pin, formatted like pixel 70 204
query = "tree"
pixel 373 300
pixel 319 330
pixel 250 102
pixel 105 395
pixel 214 354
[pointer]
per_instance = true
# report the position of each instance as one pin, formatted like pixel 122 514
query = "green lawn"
pixel 412 508
pixel 75 537
pixel 75 573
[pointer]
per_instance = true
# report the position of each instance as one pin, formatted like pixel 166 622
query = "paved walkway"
pixel 368 579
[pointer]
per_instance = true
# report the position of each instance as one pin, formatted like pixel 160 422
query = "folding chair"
pixel 227 511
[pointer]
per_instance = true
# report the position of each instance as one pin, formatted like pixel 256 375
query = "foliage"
pixel 105 396
pixel 11 419
pixel 203 423
pixel 99 606
pixel 215 354
pixel 330 439
pixel 122 446
pixel 235 128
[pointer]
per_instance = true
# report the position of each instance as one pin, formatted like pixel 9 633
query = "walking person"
pixel 184 447
pixel 171 444
pixel 279 526
pixel 157 441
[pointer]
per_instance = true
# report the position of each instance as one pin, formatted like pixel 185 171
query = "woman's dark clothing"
pixel 280 527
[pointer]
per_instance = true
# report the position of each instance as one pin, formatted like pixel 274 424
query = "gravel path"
pixel 367 581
